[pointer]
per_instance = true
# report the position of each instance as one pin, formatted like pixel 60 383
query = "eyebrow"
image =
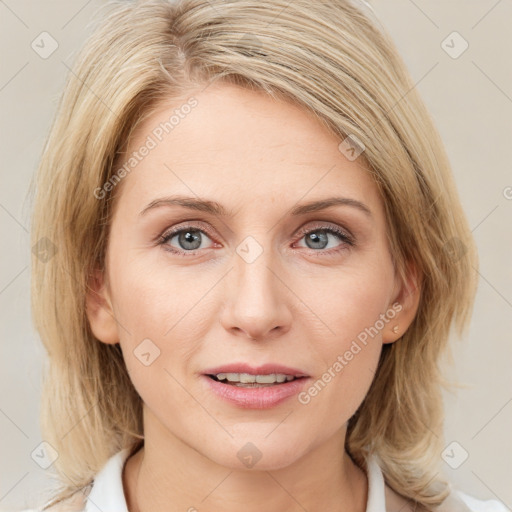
pixel 215 208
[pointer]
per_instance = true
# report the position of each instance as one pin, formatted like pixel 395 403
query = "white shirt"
pixel 107 494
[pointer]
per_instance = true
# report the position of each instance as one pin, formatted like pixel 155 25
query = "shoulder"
pixel 105 489
pixel 476 505
pixel 74 503
pixel 457 501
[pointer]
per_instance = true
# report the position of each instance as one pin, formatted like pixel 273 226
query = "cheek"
pixel 153 301
pixel 351 300
pixel 162 318
pixel 354 309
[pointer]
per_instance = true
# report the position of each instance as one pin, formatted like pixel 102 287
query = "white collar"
pixel 107 494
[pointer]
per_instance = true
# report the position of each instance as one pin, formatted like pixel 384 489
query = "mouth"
pixel 255 391
pixel 254 387
pixel 248 380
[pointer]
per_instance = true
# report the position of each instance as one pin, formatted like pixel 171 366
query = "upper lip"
pixel 264 369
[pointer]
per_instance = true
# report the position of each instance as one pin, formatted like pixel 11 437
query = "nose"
pixel 256 294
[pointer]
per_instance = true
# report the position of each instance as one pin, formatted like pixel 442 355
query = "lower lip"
pixel 256 398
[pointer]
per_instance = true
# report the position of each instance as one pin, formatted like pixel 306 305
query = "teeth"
pixel 266 379
pixel 247 378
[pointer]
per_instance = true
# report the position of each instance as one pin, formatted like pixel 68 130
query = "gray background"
pixel 470 98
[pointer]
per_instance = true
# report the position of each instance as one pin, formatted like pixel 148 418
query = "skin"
pixel 295 305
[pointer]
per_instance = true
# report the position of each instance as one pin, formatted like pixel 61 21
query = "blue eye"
pixel 190 239
pixel 317 238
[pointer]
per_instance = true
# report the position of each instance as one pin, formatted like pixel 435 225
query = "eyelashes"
pixel 337 232
pixel 189 234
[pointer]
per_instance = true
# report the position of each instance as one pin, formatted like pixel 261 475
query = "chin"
pixel 259 453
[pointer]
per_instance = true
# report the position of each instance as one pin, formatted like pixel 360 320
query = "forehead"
pixel 237 145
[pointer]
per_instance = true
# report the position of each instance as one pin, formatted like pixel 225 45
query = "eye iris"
pixel 315 239
pixel 187 237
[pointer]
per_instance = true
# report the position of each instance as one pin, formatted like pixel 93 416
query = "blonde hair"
pixel 327 56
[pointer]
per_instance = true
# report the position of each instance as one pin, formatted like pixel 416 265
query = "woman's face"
pixel 263 282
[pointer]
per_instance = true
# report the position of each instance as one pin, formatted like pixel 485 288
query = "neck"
pixel 169 475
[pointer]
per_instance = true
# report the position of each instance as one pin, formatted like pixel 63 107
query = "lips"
pixel 266 369
pixel 232 383
pixel 274 383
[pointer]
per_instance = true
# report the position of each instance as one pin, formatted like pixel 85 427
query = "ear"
pixel 405 303
pixel 99 310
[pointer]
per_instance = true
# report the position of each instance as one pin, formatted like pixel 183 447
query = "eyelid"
pixel 183 226
pixel 346 238
pixel 200 226
pixel 326 225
